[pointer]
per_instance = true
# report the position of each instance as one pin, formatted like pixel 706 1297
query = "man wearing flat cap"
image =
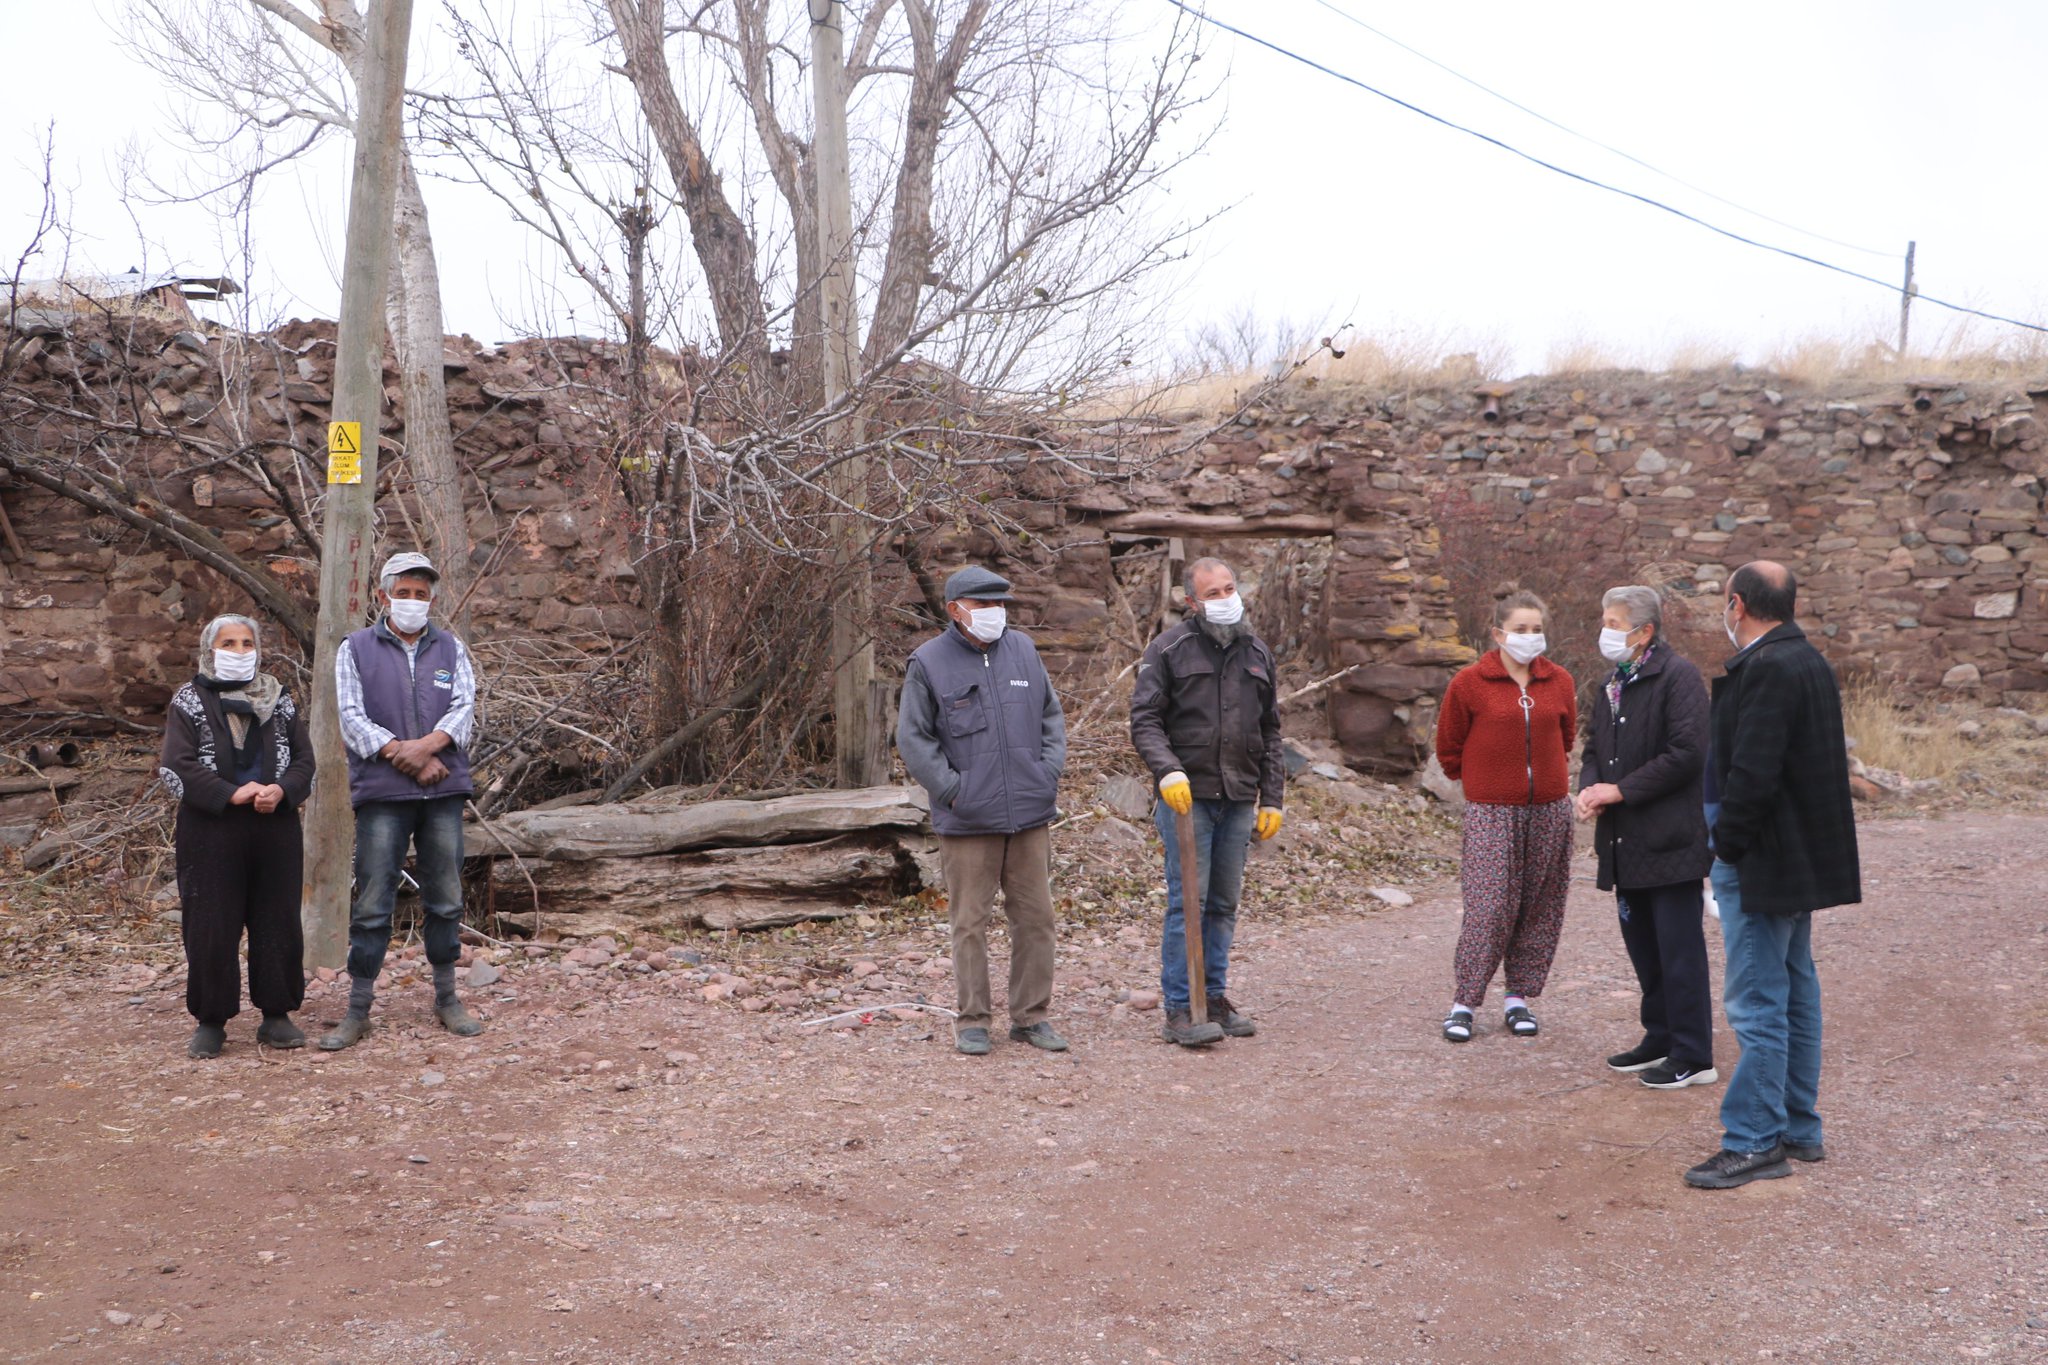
pixel 407 697
pixel 982 732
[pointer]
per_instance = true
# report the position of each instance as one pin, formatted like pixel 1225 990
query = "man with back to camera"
pixel 981 730
pixel 407 696
pixel 1784 847
pixel 1205 717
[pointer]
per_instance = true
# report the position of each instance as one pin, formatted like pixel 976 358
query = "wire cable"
pixel 1596 142
pixel 1583 179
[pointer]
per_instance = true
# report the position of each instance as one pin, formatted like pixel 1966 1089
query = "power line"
pixel 1583 179
pixel 1596 142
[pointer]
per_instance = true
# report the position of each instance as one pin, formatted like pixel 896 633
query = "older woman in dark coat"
pixel 1645 756
pixel 237 758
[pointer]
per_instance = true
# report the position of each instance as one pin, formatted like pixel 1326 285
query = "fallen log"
pixel 631 830
pixel 720 888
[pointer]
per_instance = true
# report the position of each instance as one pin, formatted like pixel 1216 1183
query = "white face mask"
pixel 409 616
pixel 986 624
pixel 230 666
pixel 1614 645
pixel 1224 611
pixel 1523 648
pixel 1729 626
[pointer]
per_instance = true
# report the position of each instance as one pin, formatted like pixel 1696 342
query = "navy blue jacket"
pixel 983 733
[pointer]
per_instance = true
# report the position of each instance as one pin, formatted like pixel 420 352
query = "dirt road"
pixel 620 1171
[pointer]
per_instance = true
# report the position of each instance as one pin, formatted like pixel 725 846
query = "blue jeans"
pixel 1773 999
pixel 1223 835
pixel 433 828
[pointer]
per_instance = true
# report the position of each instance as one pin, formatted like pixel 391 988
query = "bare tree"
pixel 278 76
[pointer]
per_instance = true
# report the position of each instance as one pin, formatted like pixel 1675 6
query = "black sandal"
pixel 1458 1027
pixel 1521 1023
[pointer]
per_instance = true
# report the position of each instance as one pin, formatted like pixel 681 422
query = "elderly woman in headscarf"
pixel 237 757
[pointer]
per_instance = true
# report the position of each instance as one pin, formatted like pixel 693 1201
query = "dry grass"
pixel 1907 738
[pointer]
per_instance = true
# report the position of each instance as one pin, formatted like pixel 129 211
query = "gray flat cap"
pixel 409 562
pixel 977 583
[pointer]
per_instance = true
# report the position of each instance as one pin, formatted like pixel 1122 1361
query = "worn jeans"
pixel 384 829
pixel 1772 995
pixel 1223 836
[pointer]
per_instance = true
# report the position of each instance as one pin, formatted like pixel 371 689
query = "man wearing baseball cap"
pixel 407 697
pixel 981 730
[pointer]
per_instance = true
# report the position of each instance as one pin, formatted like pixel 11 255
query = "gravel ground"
pixel 621 1170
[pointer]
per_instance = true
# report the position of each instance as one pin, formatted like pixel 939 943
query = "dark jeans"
pixel 1668 945
pixel 1223 835
pixel 433 828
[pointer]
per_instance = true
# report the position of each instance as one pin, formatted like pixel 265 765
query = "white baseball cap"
pixel 408 561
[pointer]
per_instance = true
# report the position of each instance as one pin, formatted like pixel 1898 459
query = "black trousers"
pixel 1662 926
pixel 241 871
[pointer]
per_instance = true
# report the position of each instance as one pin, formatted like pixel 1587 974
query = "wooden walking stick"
pixel 1191 915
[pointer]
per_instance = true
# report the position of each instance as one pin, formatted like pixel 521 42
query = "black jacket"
pixel 1211 713
pixel 1655 750
pixel 198 759
pixel 1782 769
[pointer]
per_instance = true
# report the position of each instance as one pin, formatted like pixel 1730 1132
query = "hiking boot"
pixel 207 1041
pixel 972 1042
pixel 352 1029
pixel 1802 1152
pixel 278 1031
pixel 1039 1035
pixel 457 1020
pixel 1724 1170
pixel 1641 1057
pixel 1180 1027
pixel 1235 1025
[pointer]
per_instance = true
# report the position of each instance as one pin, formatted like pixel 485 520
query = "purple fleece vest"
pixel 409 701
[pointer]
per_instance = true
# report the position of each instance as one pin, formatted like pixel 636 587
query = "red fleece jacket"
pixel 1483 741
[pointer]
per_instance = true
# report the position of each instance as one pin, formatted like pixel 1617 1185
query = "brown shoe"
pixel 1180 1027
pixel 1225 1014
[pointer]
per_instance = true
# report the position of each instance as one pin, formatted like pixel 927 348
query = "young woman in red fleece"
pixel 1505 728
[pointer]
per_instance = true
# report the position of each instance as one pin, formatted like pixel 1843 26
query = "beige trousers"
pixel 975 867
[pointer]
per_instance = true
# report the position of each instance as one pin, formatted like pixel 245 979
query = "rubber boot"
pixel 278 1031
pixel 448 1006
pixel 206 1042
pixel 355 1025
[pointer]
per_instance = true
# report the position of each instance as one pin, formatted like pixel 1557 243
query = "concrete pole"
pixel 1906 293
pixel 348 534
pixel 856 728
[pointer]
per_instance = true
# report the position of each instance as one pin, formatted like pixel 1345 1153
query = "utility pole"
pixel 857 736
pixel 347 534
pixel 1906 299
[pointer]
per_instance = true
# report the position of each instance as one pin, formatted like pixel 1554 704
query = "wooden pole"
pixel 1906 298
pixel 1191 915
pixel 349 536
pixel 857 740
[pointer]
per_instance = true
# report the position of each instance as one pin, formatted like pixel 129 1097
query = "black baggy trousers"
pixel 1664 929
pixel 240 871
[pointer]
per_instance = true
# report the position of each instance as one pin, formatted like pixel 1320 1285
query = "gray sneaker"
pixel 1180 1027
pixel 1039 1035
pixel 973 1042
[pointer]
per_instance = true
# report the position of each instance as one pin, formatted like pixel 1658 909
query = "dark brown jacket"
pixel 1655 749
pixel 198 760
pixel 1211 713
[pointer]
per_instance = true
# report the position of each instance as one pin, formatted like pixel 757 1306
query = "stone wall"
pixel 1911 514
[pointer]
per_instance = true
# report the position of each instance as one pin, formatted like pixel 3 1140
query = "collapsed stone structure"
pixel 1911 511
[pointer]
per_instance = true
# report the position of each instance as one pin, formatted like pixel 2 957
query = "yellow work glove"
pixel 1176 793
pixel 1269 822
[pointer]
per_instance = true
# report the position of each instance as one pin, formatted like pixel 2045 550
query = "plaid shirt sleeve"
pixel 363 736
pixel 458 722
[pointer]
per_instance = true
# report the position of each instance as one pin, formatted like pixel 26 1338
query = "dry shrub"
pixel 1903 736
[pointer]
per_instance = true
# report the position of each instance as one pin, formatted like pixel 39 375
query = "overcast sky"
pixel 1870 122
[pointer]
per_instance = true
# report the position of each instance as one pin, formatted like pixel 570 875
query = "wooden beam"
pixel 1203 524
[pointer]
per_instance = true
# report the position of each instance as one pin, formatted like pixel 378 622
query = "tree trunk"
pixel 417 334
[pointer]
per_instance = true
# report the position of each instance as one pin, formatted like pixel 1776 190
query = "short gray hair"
pixel 1202 565
pixel 1645 606
pixel 390 581
pixel 211 632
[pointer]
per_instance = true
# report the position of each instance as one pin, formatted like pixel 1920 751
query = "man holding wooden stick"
pixel 1205 717
pixel 981 730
